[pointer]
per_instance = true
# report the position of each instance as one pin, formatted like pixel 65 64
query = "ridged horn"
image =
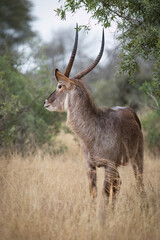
pixel 87 70
pixel 70 63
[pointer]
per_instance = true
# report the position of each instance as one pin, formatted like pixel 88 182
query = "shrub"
pixel 23 120
pixel 151 125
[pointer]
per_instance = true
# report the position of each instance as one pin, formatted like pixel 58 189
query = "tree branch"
pixel 155 100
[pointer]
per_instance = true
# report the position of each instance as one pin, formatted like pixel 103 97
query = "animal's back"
pixel 127 112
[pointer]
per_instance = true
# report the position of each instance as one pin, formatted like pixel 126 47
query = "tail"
pixel 137 120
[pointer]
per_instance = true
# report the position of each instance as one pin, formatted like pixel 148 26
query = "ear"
pixel 61 78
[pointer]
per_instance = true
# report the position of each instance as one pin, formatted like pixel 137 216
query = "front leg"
pixel 112 183
pixel 92 177
pixel 91 171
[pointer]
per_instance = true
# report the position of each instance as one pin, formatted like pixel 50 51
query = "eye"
pixel 59 86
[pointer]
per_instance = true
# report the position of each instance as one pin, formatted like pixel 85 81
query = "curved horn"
pixel 69 66
pixel 87 70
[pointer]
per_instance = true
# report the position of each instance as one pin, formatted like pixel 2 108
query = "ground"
pixel 47 197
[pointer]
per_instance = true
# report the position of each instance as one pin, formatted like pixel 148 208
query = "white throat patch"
pixel 66 103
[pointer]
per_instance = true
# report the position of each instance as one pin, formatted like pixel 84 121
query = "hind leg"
pixel 137 164
pixel 138 172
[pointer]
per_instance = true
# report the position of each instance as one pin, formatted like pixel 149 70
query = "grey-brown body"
pixel 109 137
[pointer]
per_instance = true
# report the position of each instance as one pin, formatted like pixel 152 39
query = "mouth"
pixel 46 105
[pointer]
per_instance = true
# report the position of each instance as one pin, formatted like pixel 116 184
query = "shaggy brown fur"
pixel 109 137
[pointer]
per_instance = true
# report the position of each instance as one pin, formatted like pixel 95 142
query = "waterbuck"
pixel 109 137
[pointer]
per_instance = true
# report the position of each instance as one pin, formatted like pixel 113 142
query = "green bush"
pixel 24 122
pixel 151 126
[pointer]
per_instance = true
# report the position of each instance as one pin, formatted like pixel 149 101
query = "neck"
pixel 82 116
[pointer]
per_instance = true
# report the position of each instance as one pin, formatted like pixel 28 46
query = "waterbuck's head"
pixel 68 88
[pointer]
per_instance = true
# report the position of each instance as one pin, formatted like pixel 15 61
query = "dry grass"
pixel 44 197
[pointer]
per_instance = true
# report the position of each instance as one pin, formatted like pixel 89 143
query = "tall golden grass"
pixel 45 197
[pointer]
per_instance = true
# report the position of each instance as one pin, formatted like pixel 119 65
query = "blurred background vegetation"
pixel 130 76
